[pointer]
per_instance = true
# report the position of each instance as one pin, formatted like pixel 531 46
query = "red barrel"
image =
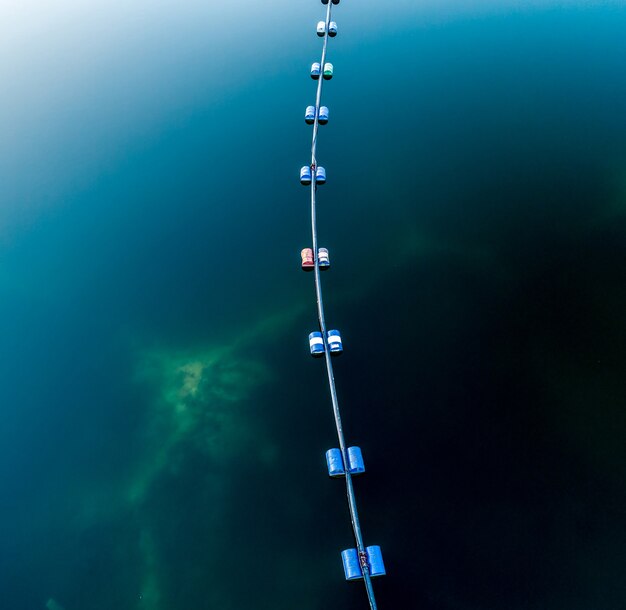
pixel 308 264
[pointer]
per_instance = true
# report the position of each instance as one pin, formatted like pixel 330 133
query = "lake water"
pixel 163 427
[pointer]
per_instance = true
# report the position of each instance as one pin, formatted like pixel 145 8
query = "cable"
pixel 354 515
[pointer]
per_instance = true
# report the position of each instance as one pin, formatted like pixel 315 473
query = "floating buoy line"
pixel 362 562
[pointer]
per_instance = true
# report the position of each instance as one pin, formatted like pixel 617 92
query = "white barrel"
pixel 305 175
pixel 335 344
pixel 316 343
pixel 323 258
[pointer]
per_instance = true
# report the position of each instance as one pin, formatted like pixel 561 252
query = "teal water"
pixel 163 427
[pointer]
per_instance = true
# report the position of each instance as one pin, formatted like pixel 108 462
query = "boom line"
pixel 352 506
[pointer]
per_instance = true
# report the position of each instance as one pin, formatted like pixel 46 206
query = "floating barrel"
pixel 305 175
pixel 334 342
pixel 307 259
pixel 316 70
pixel 335 1
pixel 321 28
pixel 351 565
pixel 323 259
pixel 332 29
pixel 323 116
pixel 317 344
pixel 334 461
pixel 328 71
pixel 309 115
pixel 355 460
pixel 320 175
pixel 375 561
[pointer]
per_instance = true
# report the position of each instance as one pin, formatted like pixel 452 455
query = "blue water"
pixel 163 428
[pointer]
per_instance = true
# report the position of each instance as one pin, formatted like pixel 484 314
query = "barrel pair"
pixel 321 29
pixel 316 343
pixel 310 114
pixel 353 564
pixel 335 462
pixel 308 263
pixel 316 70
pixel 306 175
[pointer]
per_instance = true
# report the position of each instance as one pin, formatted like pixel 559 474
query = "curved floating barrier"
pixel 361 562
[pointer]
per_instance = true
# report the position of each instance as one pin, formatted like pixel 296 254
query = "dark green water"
pixel 163 428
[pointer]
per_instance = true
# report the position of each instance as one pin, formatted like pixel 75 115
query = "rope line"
pixel 354 515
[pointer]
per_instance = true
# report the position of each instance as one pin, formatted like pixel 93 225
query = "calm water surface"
pixel 163 428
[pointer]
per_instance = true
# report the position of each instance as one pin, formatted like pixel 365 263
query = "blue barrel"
pixel 316 70
pixel 323 117
pixel 355 460
pixel 323 259
pixel 317 344
pixel 321 28
pixel 305 175
pixel 334 342
pixel 320 175
pixel 324 1
pixel 332 29
pixel 334 2
pixel 334 461
pixel 375 561
pixel 351 565
pixel 309 115
pixel 328 70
